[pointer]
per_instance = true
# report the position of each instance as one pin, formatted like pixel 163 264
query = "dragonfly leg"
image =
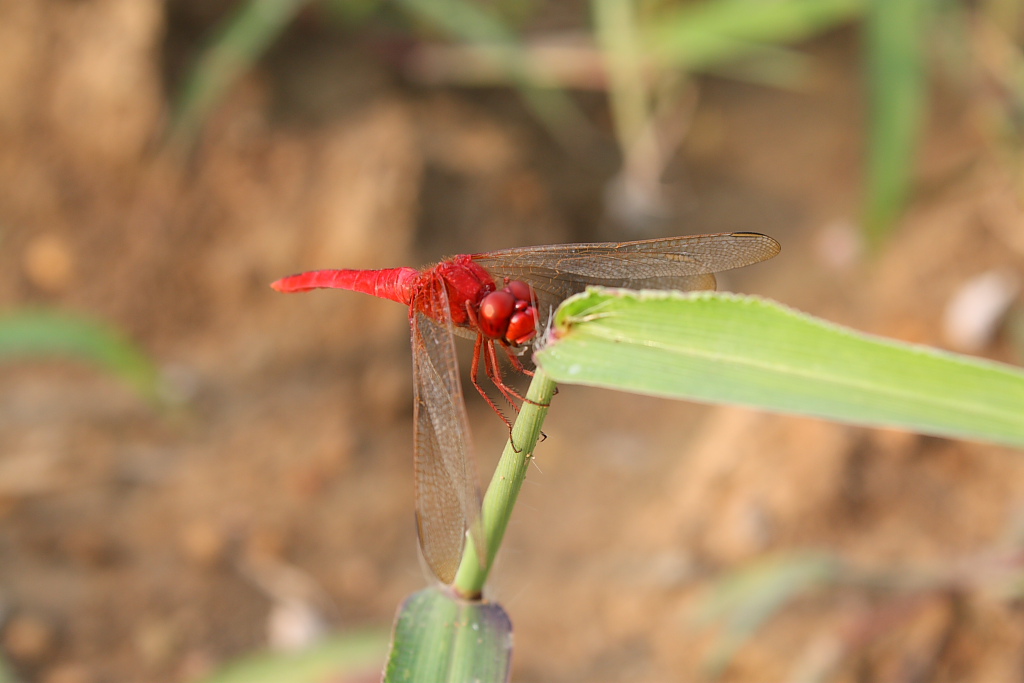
pixel 514 360
pixel 477 348
pixel 494 373
pixel 493 370
pixel 518 365
pixel 498 382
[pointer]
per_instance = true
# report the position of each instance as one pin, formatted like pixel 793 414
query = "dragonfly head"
pixel 509 314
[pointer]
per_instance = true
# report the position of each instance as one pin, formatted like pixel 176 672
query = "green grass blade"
pixel 700 35
pixel 41 334
pixel 726 348
pixel 333 660
pixel 897 90
pixel 244 39
pixel 441 639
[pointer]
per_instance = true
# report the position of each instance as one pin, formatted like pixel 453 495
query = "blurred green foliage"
pixel 895 34
pixel 347 656
pixel 890 601
pixel 44 334
pixel 243 39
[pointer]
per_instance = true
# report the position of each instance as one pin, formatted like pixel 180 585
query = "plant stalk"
pixel 504 489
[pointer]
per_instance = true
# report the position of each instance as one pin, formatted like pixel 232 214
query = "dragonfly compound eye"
pixel 520 290
pixel 522 326
pixel 495 311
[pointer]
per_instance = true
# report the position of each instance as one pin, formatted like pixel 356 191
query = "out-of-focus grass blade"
pixel 352 11
pixel 472 23
pixel 6 676
pixel 897 85
pixel 243 40
pixel 441 639
pixel 615 24
pixel 769 66
pixel 48 334
pixel 699 35
pixel 726 348
pixel 745 600
pixel 464 20
pixel 340 658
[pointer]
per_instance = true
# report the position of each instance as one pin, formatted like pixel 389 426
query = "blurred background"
pixel 194 468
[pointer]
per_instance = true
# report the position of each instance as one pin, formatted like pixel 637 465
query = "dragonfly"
pixel 502 300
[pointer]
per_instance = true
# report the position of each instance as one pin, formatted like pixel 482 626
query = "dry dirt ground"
pixel 139 544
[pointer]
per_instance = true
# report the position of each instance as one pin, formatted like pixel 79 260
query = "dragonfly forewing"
pixel 685 263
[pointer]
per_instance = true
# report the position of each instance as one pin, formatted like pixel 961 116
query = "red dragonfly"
pixel 502 299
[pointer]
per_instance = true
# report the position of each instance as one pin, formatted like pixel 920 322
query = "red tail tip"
pixel 289 285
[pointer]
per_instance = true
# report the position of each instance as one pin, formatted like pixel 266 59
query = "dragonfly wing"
pixel 447 495
pixel 683 263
